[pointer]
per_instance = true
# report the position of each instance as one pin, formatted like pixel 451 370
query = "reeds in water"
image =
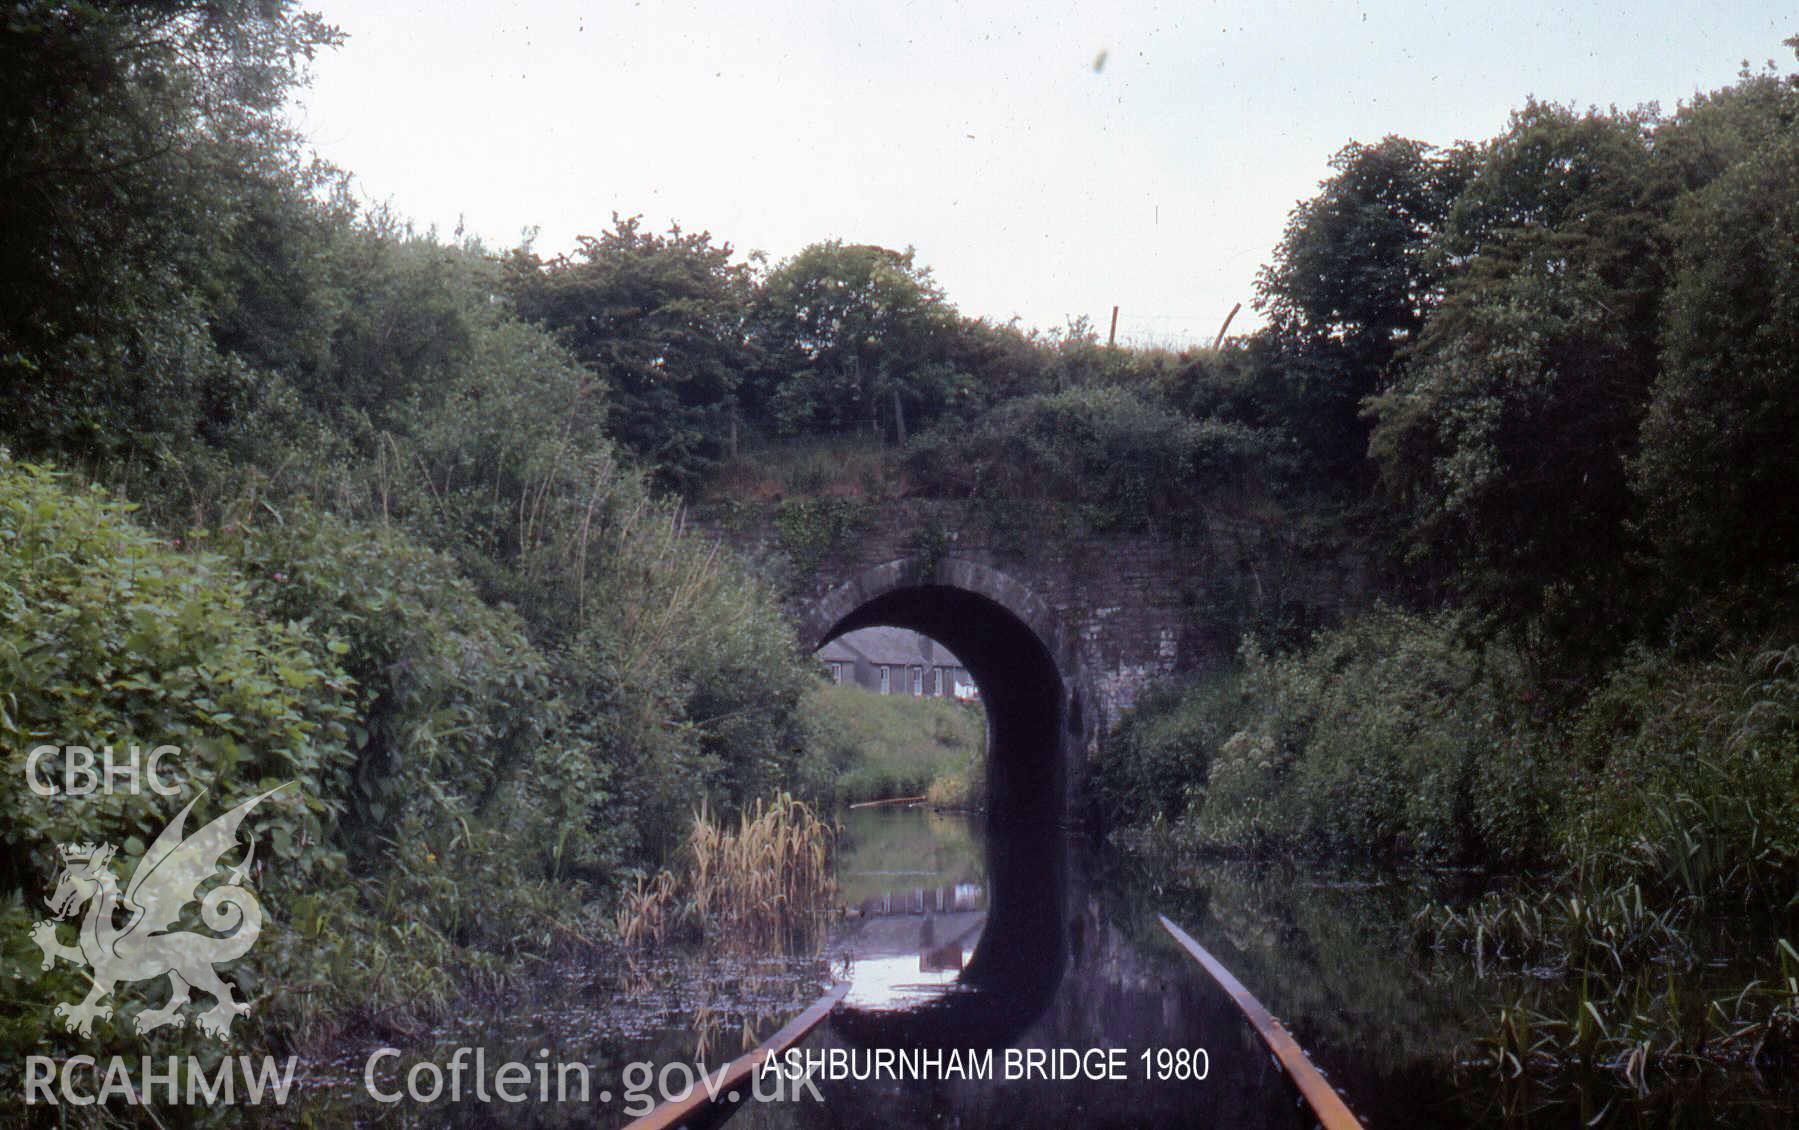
pixel 1655 1023
pixel 761 883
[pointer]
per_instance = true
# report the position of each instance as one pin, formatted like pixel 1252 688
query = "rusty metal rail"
pixel 1324 1100
pixel 700 1109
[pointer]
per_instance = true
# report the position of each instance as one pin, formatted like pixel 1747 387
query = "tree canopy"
pixel 141 142
pixel 661 320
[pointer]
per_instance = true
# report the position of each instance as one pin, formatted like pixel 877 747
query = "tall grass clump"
pixel 1589 930
pixel 1690 777
pixel 764 882
pixel 1650 1022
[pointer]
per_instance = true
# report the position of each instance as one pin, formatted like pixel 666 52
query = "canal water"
pixel 1004 948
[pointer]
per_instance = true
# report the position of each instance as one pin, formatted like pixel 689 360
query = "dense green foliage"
pixel 1688 781
pixel 1351 282
pixel 1717 463
pixel 1392 736
pixel 113 638
pixel 661 320
pixel 855 335
pixel 1572 347
pixel 450 697
pixel 1158 760
pixel 1507 429
pixel 1131 455
pixel 144 146
pixel 379 541
pixel 1556 372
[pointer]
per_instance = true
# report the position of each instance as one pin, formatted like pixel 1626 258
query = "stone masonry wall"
pixel 1129 608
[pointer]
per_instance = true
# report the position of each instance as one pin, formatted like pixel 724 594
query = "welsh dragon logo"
pixel 167 879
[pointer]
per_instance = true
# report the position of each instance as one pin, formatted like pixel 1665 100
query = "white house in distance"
pixel 896 661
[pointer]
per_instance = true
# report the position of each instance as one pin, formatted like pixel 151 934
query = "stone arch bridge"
pixel 1062 623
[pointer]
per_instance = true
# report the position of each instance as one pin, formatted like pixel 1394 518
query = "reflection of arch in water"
pixel 1016 967
pixel 1012 645
pixel 1026 987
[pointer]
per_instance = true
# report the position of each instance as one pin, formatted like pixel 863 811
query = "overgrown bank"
pixel 1565 350
pixel 296 490
pixel 462 780
pixel 1621 831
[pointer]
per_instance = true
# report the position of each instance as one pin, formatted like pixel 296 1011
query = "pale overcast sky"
pixel 1032 179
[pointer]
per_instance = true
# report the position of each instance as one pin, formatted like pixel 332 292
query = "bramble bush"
pixel 451 699
pixel 424 841
pixel 112 636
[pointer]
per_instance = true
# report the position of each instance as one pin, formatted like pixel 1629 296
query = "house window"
pixel 917 681
pixel 937 682
pixel 886 679
pixel 837 672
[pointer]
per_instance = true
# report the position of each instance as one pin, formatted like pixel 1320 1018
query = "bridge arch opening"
pixel 1007 642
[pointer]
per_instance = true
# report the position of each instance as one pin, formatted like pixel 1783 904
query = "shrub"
pixel 1391 736
pixel 684 677
pixel 468 801
pixel 451 696
pixel 1157 761
pixel 423 840
pixel 111 636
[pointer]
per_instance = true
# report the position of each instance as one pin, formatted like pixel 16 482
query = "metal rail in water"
pixel 699 1110
pixel 1327 1105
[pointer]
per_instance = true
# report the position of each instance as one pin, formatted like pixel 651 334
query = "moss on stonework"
pixel 809 529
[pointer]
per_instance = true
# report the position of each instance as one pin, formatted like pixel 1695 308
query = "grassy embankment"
pixel 883 746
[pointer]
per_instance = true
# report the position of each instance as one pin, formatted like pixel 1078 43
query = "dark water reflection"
pixel 1048 969
pixel 1070 956
pixel 1397 1030
pixel 975 939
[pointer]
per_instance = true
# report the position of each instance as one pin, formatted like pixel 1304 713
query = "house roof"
pixel 888 646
